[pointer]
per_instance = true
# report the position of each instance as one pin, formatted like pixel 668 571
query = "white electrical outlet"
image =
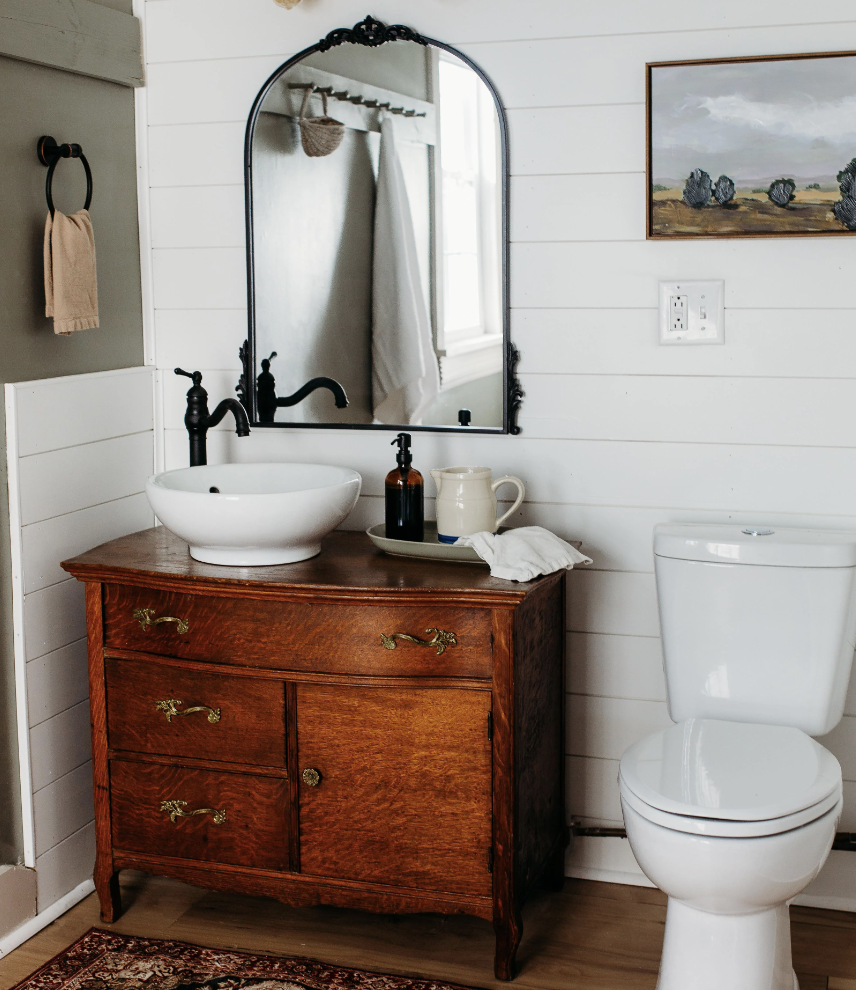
pixel 692 312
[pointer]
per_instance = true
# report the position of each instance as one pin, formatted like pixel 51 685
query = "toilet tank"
pixel 758 625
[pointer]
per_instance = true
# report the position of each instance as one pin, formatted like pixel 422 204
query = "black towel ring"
pixel 50 153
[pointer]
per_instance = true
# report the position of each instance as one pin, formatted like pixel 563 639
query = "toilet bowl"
pixel 727 922
pixel 731 820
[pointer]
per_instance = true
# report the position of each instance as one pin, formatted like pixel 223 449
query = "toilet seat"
pixel 727 829
pixel 717 778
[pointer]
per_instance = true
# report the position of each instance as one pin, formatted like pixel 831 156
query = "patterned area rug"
pixel 103 960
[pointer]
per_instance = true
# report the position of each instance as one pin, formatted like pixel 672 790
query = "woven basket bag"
pixel 319 136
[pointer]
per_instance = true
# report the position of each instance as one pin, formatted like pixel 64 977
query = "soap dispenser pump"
pixel 405 496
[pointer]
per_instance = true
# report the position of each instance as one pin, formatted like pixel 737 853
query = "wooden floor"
pixel 592 935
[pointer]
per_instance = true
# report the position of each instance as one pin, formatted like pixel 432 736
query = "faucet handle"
pixel 195 375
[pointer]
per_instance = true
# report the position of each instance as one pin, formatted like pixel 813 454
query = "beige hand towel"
pixel 71 292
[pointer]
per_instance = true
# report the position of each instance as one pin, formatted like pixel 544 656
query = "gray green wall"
pixel 98 115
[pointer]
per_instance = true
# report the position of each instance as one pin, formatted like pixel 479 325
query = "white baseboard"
pixel 609 876
pixel 42 920
pixel 829 903
pixel 835 887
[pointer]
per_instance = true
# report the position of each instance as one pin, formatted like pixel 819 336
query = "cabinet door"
pixel 404 796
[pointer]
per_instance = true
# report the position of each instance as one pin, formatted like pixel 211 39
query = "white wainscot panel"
pixel 60 745
pixel 54 617
pixel 577 139
pixel 197 217
pixel 67 865
pixel 578 208
pixel 62 481
pixel 605 727
pixel 842 742
pixel 63 807
pixel 752 481
pixel 627 273
pixel 612 602
pixel 47 543
pixel 200 278
pixel 615 666
pixel 672 409
pixel 197 155
pixel 254 27
pixel 185 337
pixel 57 681
pixel 94 407
pixel 206 92
pixel 607 69
pixel 760 343
pixel 592 790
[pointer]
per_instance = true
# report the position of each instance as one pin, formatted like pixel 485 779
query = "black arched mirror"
pixel 376 170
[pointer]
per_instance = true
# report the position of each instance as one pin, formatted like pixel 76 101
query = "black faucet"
pixel 198 420
pixel 269 403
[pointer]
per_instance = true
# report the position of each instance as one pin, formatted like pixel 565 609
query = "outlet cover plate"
pixel 703 310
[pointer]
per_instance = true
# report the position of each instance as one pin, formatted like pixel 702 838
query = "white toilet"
pixel 733 810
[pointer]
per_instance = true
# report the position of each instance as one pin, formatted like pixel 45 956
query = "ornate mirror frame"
pixel 372 33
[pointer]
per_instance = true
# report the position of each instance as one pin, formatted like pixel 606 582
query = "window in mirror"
pixel 470 205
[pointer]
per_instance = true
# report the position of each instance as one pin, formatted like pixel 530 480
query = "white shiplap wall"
pixel 79 450
pixel 619 433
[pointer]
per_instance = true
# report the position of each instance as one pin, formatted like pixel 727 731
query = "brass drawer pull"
pixel 144 617
pixel 311 777
pixel 170 707
pixel 441 639
pixel 175 810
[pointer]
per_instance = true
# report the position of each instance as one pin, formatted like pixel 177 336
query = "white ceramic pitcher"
pixel 466 502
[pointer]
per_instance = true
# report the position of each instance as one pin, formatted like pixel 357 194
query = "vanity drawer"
pixel 321 638
pixel 252 832
pixel 242 719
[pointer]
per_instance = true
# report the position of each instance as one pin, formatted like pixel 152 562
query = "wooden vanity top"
pixel 348 566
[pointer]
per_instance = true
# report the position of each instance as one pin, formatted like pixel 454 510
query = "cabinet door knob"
pixel 145 618
pixel 169 707
pixel 441 639
pixel 311 777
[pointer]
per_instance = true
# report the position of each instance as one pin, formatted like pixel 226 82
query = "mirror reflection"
pixel 377 191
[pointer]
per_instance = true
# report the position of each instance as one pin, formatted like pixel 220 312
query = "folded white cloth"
pixel 524 553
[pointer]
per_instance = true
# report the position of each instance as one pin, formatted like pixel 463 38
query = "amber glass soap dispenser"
pixel 405 496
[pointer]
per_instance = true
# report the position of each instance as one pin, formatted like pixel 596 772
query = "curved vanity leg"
pixel 509 930
pixel 109 895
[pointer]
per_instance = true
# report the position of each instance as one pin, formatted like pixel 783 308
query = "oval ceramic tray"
pixel 431 548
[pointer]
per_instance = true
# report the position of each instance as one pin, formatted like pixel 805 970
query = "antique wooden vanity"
pixel 355 730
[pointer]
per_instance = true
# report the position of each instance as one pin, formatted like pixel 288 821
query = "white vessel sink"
pixel 251 514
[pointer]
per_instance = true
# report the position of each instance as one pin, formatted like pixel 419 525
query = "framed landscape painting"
pixel 752 147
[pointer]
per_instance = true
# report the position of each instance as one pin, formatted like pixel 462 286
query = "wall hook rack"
pixel 345 97
pixel 50 153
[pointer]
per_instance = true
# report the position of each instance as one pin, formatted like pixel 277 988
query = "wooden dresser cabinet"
pixel 356 730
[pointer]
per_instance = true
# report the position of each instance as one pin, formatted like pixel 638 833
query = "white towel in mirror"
pixel 405 376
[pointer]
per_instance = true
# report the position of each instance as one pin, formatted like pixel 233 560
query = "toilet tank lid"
pixel 755 544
